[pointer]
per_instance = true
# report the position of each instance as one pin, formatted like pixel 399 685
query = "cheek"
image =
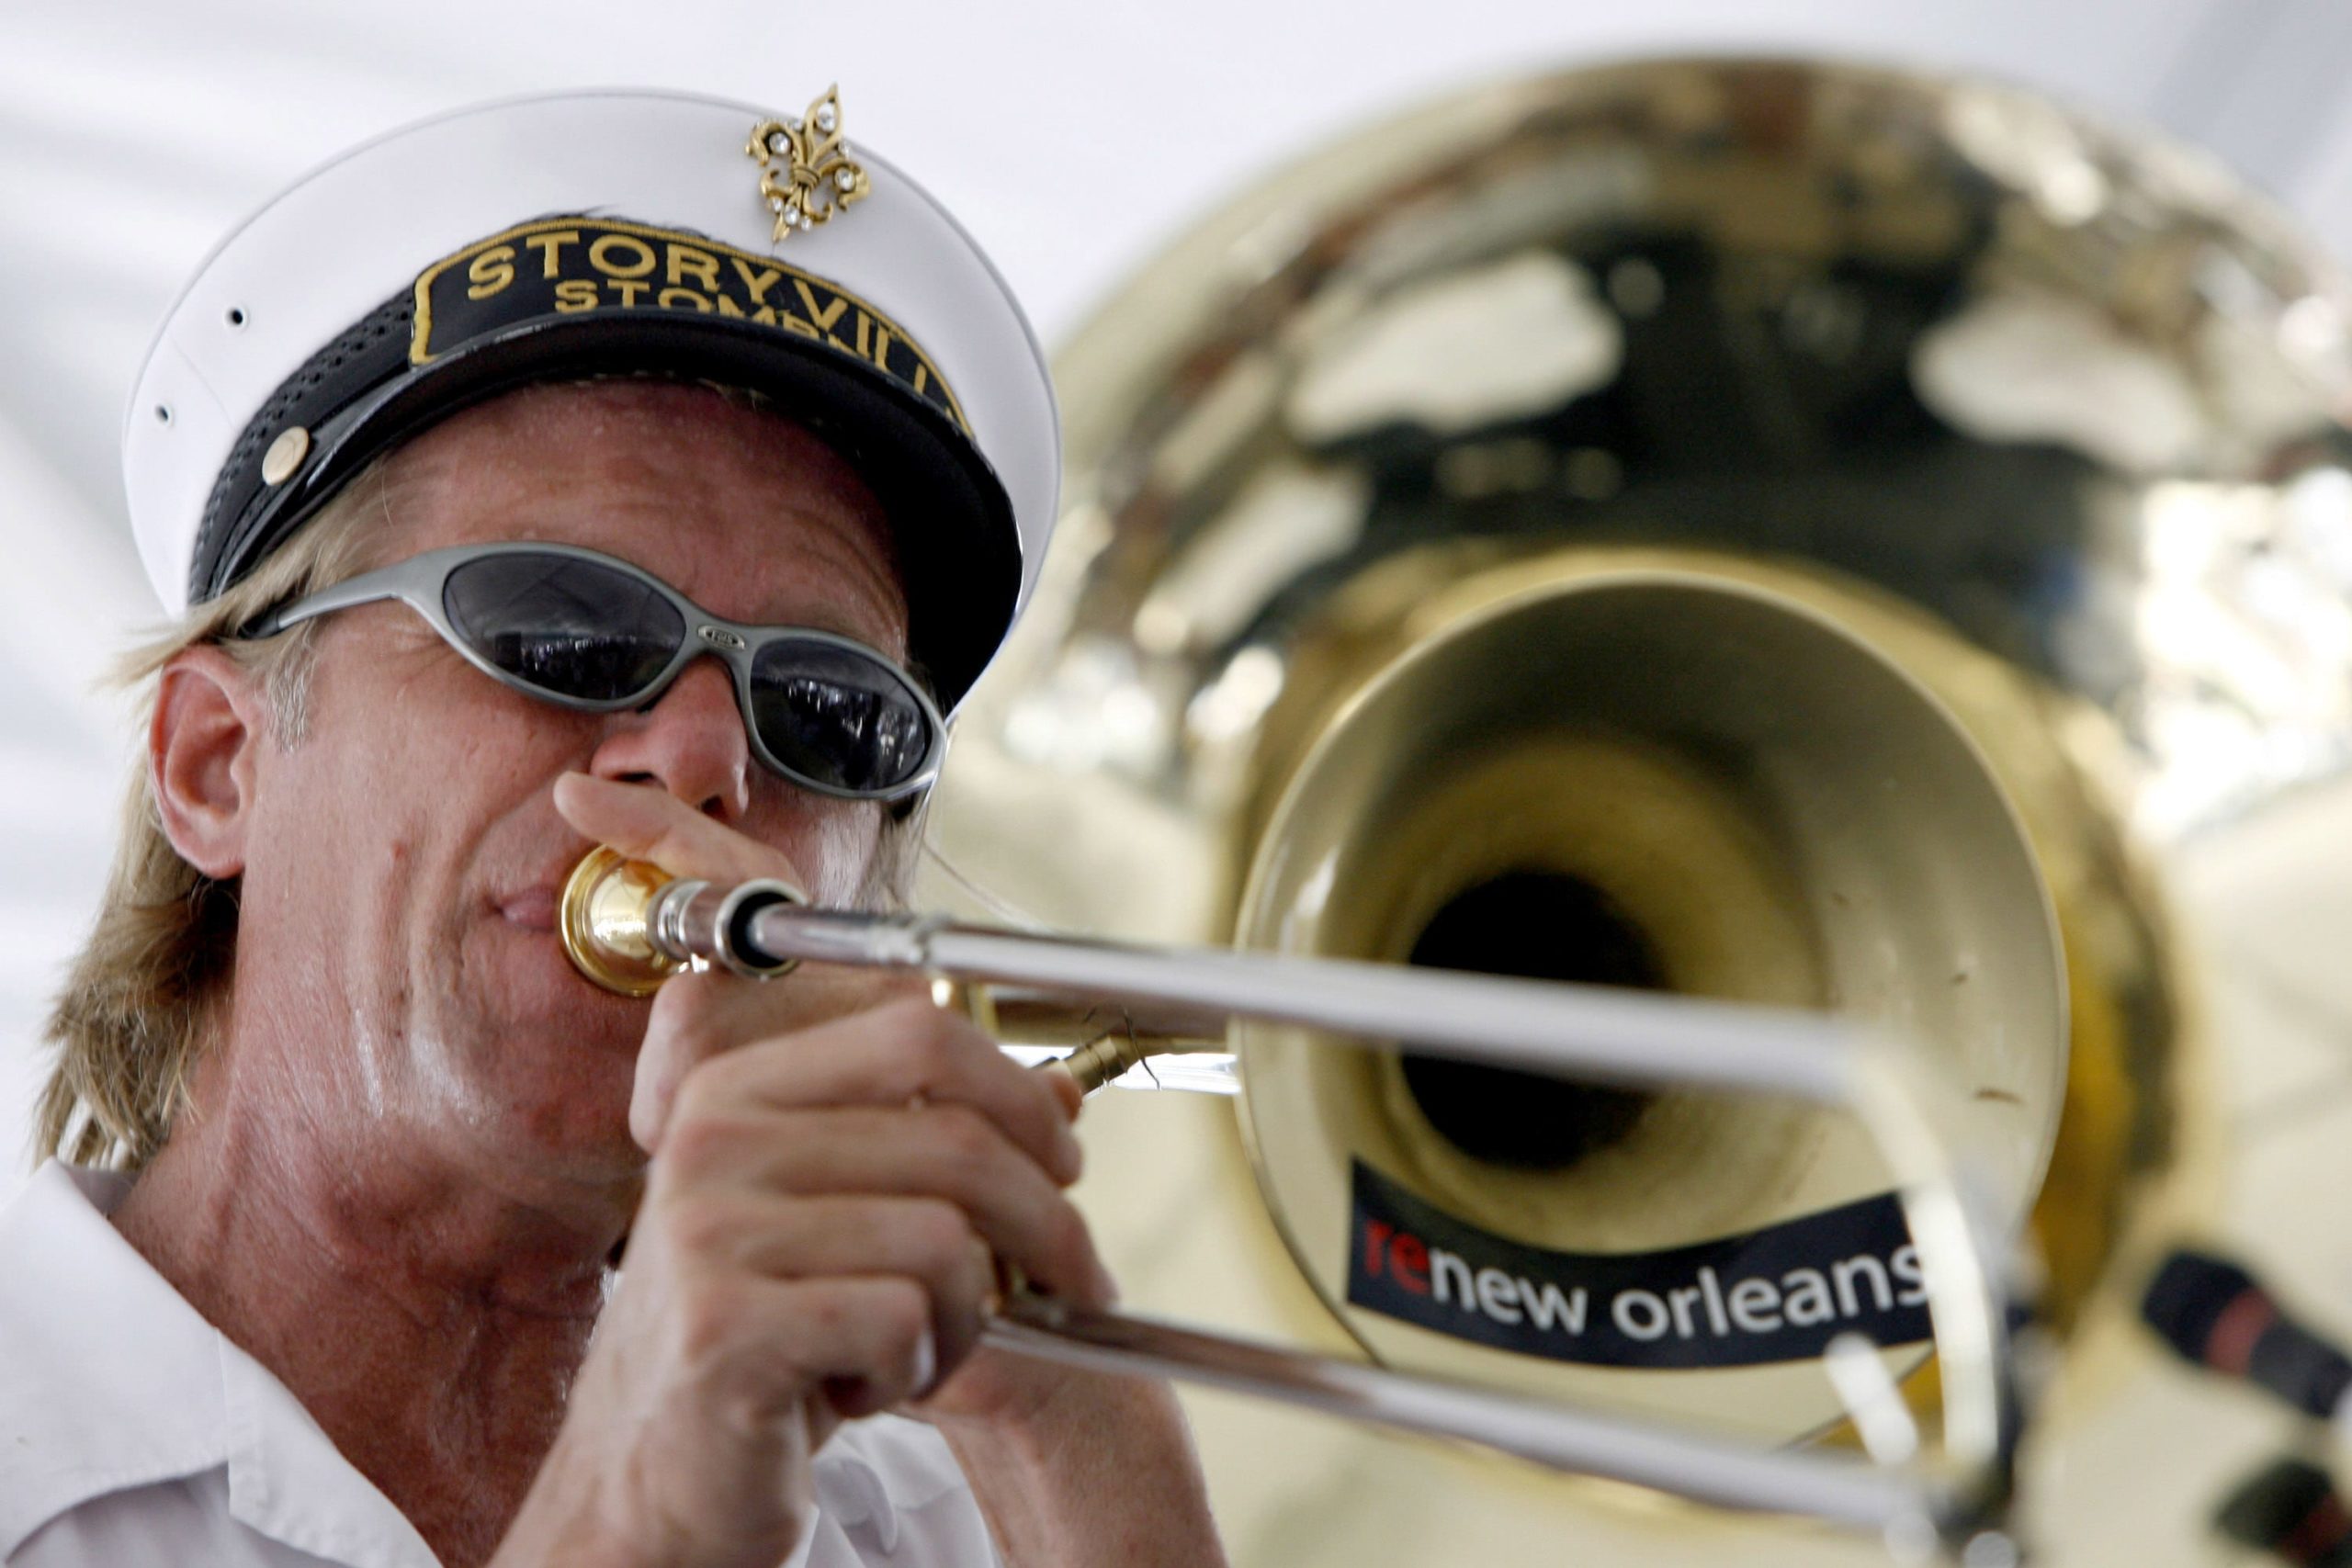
pixel 426 720
pixel 832 843
pixel 402 753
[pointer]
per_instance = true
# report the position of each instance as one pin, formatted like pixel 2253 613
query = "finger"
pixel 646 823
pixel 716 1016
pixel 936 1151
pixel 1064 1088
pixel 699 1018
pixel 908 1050
pixel 859 1343
pixel 928 1240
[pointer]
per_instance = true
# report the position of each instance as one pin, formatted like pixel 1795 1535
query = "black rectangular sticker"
pixel 1777 1295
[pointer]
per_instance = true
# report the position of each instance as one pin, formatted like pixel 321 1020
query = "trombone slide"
pixel 628 927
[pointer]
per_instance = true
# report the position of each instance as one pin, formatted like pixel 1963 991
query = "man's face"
pixel 405 856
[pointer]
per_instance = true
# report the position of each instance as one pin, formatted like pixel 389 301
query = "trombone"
pixel 628 926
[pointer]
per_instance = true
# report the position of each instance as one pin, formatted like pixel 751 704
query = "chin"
pixel 560 1133
pixel 577 1147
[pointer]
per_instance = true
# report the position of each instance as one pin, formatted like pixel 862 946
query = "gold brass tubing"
pixel 1096 1064
pixel 1046 1018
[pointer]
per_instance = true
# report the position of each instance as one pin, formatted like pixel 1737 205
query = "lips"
pixel 537 903
pixel 534 908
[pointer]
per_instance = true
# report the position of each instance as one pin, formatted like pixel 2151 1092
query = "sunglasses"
pixel 595 634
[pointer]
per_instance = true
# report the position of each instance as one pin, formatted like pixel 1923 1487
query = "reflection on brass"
pixel 2004 436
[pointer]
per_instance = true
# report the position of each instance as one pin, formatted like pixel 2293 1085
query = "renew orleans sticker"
pixel 1777 1295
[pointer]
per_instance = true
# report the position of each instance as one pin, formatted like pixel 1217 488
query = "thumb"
pixel 646 823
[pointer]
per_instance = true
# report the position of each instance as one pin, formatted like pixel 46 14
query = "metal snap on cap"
pixel 285 455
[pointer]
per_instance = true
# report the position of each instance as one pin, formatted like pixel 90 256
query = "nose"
pixel 690 742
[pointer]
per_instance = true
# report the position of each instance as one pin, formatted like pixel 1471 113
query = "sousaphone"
pixel 1759 529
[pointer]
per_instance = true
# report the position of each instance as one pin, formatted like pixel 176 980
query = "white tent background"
pixel 1074 136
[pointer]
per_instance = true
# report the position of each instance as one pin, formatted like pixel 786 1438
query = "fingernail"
pixel 1072 1155
pixel 1107 1286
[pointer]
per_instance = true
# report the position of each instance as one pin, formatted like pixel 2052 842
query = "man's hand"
pixel 831 1181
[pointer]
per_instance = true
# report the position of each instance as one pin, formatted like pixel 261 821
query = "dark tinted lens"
pixel 576 627
pixel 837 717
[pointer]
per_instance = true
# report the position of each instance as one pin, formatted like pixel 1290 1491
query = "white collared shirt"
pixel 132 1432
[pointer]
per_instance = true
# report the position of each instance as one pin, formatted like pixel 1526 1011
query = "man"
pixel 541 477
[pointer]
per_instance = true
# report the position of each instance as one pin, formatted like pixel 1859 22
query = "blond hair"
pixel 148 989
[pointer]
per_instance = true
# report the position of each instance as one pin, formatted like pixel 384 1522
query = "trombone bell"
pixel 1660 771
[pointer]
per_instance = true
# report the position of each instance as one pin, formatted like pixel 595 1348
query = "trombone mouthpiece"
pixel 605 919
pixel 628 925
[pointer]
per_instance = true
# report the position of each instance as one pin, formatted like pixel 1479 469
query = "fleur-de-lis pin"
pixel 806 174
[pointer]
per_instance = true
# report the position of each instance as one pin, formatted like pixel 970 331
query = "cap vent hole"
pixel 236 316
pixel 163 413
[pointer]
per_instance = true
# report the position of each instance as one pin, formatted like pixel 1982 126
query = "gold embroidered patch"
pixel 569 267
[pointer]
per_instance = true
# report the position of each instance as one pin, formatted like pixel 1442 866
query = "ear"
pixel 201 749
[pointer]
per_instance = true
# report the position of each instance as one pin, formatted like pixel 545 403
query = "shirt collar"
pixel 112 1381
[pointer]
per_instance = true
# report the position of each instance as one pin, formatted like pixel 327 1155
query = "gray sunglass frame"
pixel 421 580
